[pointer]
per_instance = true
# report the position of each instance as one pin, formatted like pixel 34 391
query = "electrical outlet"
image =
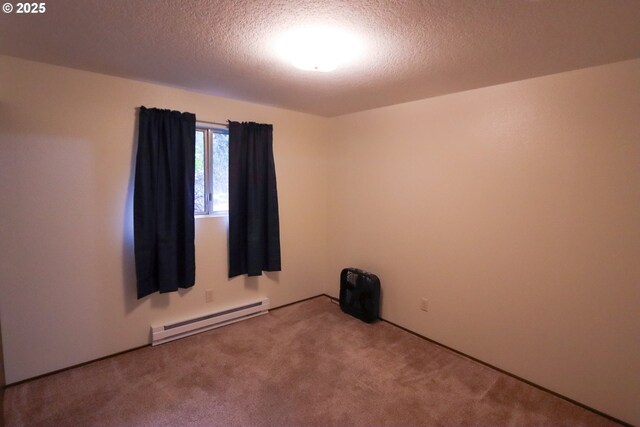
pixel 424 305
pixel 208 295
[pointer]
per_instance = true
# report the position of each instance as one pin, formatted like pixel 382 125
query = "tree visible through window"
pixel 212 171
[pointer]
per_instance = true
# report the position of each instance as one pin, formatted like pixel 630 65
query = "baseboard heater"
pixel 184 328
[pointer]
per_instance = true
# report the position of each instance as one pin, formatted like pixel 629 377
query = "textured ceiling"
pixel 413 49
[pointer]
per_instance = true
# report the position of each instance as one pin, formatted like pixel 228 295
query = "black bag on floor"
pixel 360 294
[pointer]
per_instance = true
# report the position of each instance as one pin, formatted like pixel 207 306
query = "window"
pixel 212 171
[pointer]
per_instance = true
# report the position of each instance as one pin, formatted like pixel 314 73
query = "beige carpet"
pixel 305 364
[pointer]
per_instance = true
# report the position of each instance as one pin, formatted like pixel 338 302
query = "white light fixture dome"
pixel 318 48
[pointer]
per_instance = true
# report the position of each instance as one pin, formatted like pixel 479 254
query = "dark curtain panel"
pixel 163 201
pixel 254 227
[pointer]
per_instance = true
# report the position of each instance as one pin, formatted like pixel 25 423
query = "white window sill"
pixel 213 215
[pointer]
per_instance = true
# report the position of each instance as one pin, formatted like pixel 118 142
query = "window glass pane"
pixel 220 171
pixel 199 188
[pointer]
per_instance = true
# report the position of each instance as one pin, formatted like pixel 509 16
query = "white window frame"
pixel 208 168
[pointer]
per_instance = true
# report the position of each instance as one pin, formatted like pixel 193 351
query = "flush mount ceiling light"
pixel 318 48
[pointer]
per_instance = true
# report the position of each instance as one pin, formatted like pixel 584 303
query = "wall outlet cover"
pixel 208 295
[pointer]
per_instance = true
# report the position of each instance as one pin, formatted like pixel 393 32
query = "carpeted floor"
pixel 305 364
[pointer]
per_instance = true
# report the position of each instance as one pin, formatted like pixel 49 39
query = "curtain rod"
pixel 212 123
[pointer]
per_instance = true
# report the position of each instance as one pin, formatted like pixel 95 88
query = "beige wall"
pixel 66 249
pixel 2 382
pixel 514 209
